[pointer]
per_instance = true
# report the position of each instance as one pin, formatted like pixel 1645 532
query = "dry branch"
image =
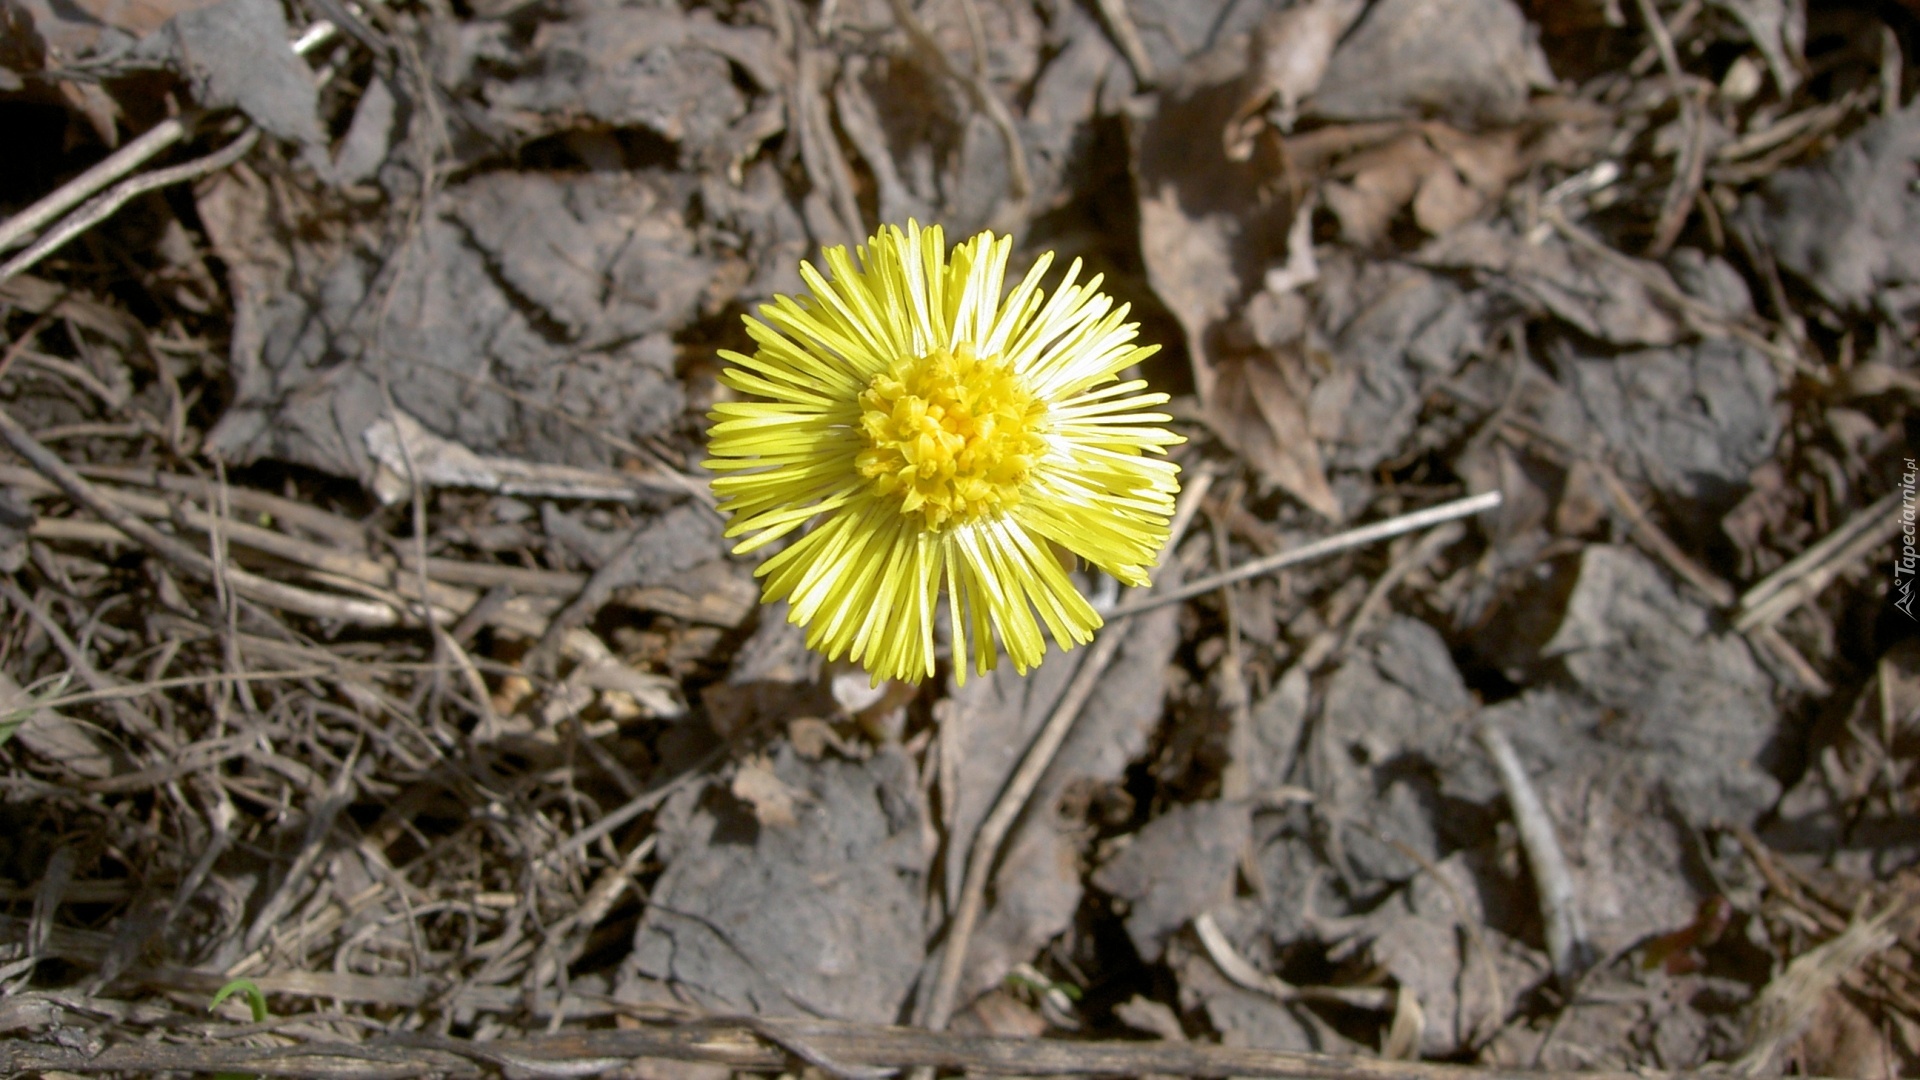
pixel 751 1043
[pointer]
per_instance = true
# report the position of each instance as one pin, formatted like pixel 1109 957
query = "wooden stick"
pixel 761 1044
pixel 1319 549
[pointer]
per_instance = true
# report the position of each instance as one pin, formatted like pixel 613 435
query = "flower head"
pixel 935 438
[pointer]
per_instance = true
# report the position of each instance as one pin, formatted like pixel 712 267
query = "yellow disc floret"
pixel 951 435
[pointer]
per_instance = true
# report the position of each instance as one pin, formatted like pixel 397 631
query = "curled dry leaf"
pixel 1259 409
pixel 1449 177
pixel 1471 60
pixel 773 802
pixel 1289 53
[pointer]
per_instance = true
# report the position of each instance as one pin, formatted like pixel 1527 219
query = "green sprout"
pixel 256 1001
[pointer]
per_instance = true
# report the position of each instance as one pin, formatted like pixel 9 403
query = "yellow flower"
pixel 937 436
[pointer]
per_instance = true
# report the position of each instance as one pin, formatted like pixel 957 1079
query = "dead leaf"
pixel 1145 1014
pixel 239 54
pixel 773 802
pixel 1288 56
pixel 1842 1040
pixel 1767 512
pixel 1258 411
pixel 1471 60
pixel 1447 176
pixel 999 1013
pixel 812 737
pixel 1210 227
pixel 1448 981
pixel 139 17
pixel 60 739
pixel 1037 887
pixel 1841 223
pixel 1178 865
pixel 1383 182
pixel 1598 296
pixel 824 919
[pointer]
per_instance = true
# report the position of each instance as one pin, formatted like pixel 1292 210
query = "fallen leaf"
pixel 1209 226
pixel 1842 223
pixel 138 17
pixel 1448 177
pixel 1474 61
pixel 755 784
pixel 1383 181
pixel 1258 410
pixel 1601 297
pixel 238 54
pixel 1288 56
pixel 60 739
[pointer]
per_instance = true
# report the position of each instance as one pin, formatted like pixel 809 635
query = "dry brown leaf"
pixel 1448 176
pixel 1209 226
pixel 1488 161
pixel 137 17
pixel 1258 410
pixel 1288 56
pixel 1383 182
pixel 1190 265
pixel 1444 201
pixel 1609 298
pixel 1475 61
pixel 1842 1040
pixel 998 1013
pixel 773 801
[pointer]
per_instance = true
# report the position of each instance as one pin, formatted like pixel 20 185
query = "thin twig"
pixel 1691 165
pixel 1319 549
pixel 149 145
pixel 1566 941
pixel 632 809
pixel 1423 552
pixel 754 1044
pixel 266 591
pixel 1127 36
pixel 101 684
pixel 1241 972
pixel 1659 542
pixel 1802 578
pixel 76 191
pixel 1019 180
pixel 1033 764
pixel 102 207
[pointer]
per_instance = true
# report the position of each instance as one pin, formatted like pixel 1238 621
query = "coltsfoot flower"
pixel 934 438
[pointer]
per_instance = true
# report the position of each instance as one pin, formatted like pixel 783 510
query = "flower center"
pixel 951 435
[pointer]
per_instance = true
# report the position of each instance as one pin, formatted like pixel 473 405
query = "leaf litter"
pixel 368 635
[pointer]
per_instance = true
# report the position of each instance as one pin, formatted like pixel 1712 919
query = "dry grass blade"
pixel 1790 998
pixel 1803 577
pixel 275 593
